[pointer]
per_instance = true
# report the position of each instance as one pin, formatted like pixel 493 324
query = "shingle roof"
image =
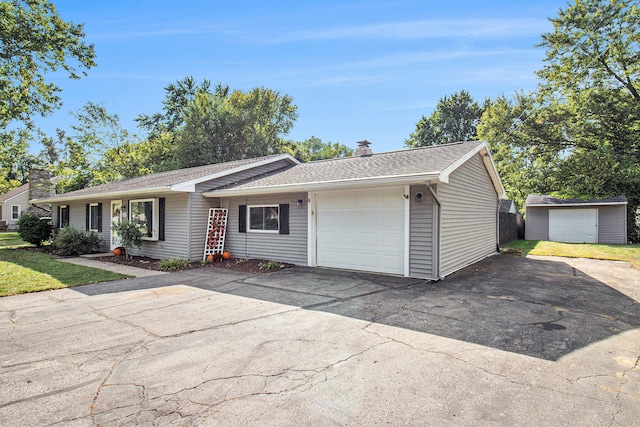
pixel 415 161
pixel 162 179
pixel 12 193
pixel 543 199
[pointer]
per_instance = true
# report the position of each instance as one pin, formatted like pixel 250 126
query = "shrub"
pixel 33 229
pixel 172 264
pixel 270 265
pixel 70 241
pixel 130 235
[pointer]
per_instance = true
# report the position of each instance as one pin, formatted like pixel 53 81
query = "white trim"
pixel 573 205
pixel 112 246
pixel 108 195
pixel 14 196
pixel 312 259
pixel 483 149
pixel 347 184
pixel 155 221
pixel 60 208
pixel 407 229
pixel 252 230
pixel 190 186
pixel 90 224
pixel 11 213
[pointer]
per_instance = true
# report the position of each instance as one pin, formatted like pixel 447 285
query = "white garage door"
pixel 573 225
pixel 361 230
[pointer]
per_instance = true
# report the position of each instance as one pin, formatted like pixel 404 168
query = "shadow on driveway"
pixel 543 309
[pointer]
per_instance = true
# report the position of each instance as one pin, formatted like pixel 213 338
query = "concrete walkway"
pixel 110 266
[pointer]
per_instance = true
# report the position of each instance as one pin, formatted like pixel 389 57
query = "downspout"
pixel 498 224
pixel 438 234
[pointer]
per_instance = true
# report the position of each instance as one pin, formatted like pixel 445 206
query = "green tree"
pixel 100 150
pixel 203 124
pixel 35 41
pixel 593 68
pixel 454 119
pixel 15 159
pixel 314 149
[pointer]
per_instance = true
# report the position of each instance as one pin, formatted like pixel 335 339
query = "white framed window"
pixel 63 218
pixel 15 212
pixel 145 214
pixel 94 213
pixel 263 219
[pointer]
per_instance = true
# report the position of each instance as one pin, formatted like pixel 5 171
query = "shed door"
pixel 361 230
pixel 573 225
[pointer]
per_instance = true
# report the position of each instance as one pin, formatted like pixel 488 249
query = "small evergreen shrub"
pixel 172 264
pixel 33 229
pixel 70 241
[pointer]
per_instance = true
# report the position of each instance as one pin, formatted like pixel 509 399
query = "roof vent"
pixel 363 149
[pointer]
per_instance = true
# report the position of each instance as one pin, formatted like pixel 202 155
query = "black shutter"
pixel 67 213
pixel 284 219
pixel 59 224
pixel 87 218
pixel 242 219
pixel 99 217
pixel 161 203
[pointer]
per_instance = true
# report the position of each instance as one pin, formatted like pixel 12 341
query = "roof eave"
pixel 346 184
pixel 586 204
pixel 105 195
pixel 190 186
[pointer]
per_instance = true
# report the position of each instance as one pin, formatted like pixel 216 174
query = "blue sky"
pixel 356 69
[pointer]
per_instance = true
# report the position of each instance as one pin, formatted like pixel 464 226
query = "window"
pixel 63 216
pixel 145 213
pixel 15 212
pixel 94 214
pixel 264 218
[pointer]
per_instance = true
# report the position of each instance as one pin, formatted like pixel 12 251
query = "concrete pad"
pixel 509 341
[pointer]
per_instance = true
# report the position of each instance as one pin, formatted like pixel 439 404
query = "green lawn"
pixel 24 271
pixel 629 253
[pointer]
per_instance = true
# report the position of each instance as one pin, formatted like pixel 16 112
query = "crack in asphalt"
pixel 623 381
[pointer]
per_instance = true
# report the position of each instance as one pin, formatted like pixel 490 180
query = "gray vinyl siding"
pixel 176 229
pixel 421 234
pixel 198 217
pixel 78 218
pixel 469 212
pixel 291 248
pixel 537 223
pixel 21 200
pixel 612 224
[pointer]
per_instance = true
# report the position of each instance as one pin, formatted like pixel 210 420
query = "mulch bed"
pixel 235 264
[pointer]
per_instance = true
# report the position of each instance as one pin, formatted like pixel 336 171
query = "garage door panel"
pixel 361 231
pixel 573 225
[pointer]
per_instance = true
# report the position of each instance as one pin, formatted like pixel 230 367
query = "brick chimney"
pixel 40 187
pixel 363 149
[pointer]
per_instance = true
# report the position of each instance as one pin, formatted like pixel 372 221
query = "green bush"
pixel 130 235
pixel 173 264
pixel 270 265
pixel 70 241
pixel 33 229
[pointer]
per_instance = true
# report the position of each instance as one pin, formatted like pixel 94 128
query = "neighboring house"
pixel 16 202
pixel 12 204
pixel 575 220
pixel 424 212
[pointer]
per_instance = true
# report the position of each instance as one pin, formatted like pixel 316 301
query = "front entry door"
pixel 116 217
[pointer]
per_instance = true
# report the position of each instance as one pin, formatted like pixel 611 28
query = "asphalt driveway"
pixel 511 340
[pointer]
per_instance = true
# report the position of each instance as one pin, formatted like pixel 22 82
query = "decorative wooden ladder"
pixel 216 230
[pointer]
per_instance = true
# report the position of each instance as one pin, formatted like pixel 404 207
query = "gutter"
pixel 438 276
pixel 106 195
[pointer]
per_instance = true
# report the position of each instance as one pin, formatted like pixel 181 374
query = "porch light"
pixel 418 198
pixel 300 202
